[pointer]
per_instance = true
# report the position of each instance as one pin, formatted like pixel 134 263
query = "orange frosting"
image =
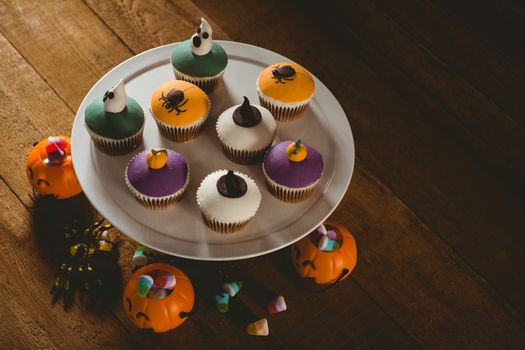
pixel 192 108
pixel 300 87
pixel 296 152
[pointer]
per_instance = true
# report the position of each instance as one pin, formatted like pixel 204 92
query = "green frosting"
pixel 114 125
pixel 185 61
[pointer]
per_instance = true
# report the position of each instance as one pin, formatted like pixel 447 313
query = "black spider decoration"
pixel 174 101
pixel 89 262
pixel 280 74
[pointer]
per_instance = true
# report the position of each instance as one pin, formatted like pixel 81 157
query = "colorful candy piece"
pixel 165 280
pixel 259 328
pixel 158 293
pixel 55 150
pixel 331 234
pixel 278 305
pixel 327 245
pixel 139 257
pixel 232 288
pixel 221 302
pixel 145 282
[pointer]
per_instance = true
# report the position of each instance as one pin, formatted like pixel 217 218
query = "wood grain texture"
pixel 435 206
pixel 204 322
pixel 25 291
pixel 143 25
pixel 442 183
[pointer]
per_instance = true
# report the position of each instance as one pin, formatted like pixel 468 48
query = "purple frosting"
pixel 158 182
pixel 291 174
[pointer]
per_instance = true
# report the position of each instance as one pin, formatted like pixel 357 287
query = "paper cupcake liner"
pixel 208 84
pixel 114 147
pixel 223 227
pixel 158 203
pixel 244 156
pixel 181 133
pixel 283 113
pixel 288 194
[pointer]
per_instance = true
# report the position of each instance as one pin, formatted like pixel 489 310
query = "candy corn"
pixel 276 306
pixel 145 282
pixel 327 245
pixel 139 257
pixel 221 302
pixel 259 328
pixel 232 288
pixel 331 234
pixel 165 280
pixel 157 293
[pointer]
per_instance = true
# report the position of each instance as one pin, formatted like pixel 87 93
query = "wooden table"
pixel 435 94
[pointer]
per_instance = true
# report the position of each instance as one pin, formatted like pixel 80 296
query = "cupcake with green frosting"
pixel 200 60
pixel 115 121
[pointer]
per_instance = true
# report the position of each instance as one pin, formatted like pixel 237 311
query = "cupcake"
pixel 228 200
pixel 115 121
pixel 180 110
pixel 200 60
pixel 246 132
pixel 285 89
pixel 292 169
pixel 157 177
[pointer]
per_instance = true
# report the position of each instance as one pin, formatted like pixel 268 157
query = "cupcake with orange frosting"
pixel 157 177
pixel 285 89
pixel 180 110
pixel 292 170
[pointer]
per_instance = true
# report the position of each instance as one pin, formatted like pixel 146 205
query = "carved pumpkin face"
pixel 161 315
pixel 50 168
pixel 325 267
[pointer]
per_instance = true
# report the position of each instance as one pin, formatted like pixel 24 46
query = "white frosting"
pixel 241 138
pixel 228 210
pixel 206 40
pixel 115 98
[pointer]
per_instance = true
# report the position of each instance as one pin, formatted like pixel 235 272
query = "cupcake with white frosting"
pixel 246 132
pixel 228 200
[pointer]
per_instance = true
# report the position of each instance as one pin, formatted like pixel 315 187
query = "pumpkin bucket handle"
pixel 193 311
pixel 331 285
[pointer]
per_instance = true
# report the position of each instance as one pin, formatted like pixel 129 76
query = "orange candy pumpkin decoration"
pixel 325 267
pixel 50 168
pixel 161 315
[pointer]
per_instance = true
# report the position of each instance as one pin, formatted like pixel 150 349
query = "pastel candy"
pixel 145 282
pixel 139 257
pixel 327 245
pixel 278 305
pixel 319 232
pixel 157 293
pixel 232 288
pixel 221 302
pixel 331 234
pixel 165 280
pixel 259 328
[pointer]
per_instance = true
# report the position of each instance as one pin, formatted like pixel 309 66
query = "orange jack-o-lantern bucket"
pixel 325 267
pixel 164 313
pixel 50 168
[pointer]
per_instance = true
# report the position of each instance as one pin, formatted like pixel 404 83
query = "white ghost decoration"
pixel 115 99
pixel 202 40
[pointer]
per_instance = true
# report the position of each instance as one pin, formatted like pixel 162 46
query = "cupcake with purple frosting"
pixel 157 177
pixel 292 170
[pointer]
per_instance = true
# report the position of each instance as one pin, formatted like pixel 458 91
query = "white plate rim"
pixel 336 186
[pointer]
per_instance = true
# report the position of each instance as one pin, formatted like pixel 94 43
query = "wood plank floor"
pixel 435 93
